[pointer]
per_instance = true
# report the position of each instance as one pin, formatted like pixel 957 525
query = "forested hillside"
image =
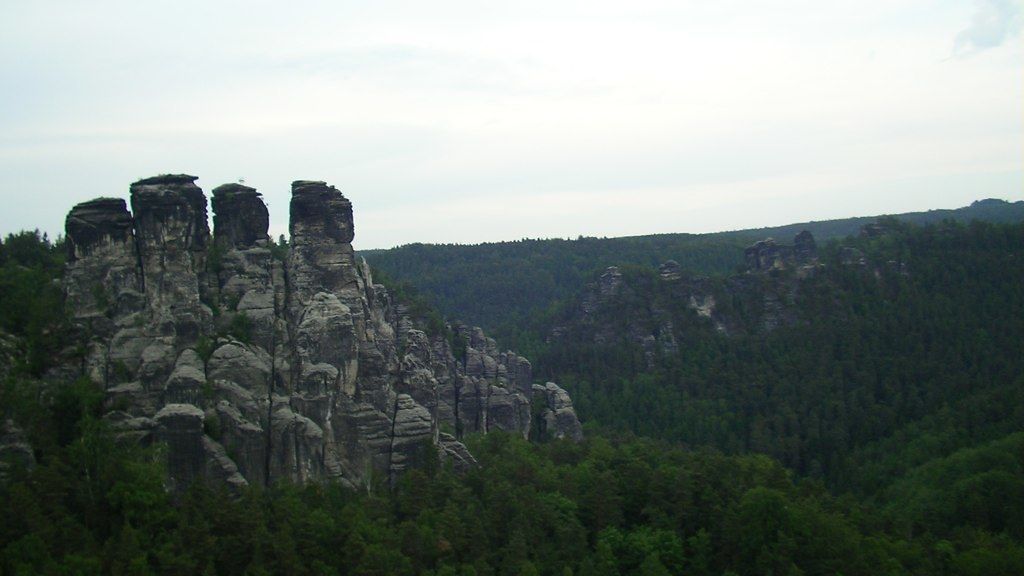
pixel 913 334
pixel 499 286
pixel 96 505
pixel 855 411
pixel 31 303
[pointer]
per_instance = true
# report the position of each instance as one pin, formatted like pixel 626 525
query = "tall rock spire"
pixel 103 277
pixel 172 232
pixel 240 218
pixel 322 258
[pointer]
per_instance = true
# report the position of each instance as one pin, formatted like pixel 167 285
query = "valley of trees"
pixel 921 342
pixel 877 431
pixel 607 506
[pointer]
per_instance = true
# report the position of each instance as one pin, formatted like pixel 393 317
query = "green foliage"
pixel 420 310
pixel 980 487
pixel 119 371
pixel 625 506
pixel 74 406
pixel 459 345
pixel 500 286
pixel 31 302
pixel 211 425
pixel 205 347
pixel 279 251
pixel 921 346
pixel 99 295
pixel 33 250
pixel 240 327
pixel 215 257
pixel 231 302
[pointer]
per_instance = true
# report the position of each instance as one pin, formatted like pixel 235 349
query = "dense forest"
pixel 873 428
pixel 624 505
pixel 501 286
pixel 920 339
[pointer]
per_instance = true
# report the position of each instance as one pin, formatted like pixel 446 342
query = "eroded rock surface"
pixel 253 368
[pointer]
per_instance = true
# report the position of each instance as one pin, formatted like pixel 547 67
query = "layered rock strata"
pixel 252 367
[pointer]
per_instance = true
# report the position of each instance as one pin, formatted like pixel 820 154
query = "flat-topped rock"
pixel 321 258
pixel 171 231
pixel 169 179
pixel 184 416
pixel 240 218
pixel 102 276
pixel 170 200
pixel 320 211
pixel 95 222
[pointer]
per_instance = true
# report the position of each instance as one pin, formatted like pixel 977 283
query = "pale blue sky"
pixel 465 122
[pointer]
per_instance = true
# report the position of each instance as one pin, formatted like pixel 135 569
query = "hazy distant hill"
pixel 990 210
pixel 500 285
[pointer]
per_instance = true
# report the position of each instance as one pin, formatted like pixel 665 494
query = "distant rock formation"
pixel 767 255
pixel 253 369
pixel 616 308
pixel 670 270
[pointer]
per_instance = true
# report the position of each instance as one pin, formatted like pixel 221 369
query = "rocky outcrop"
pixel 180 426
pixel 171 231
pixel 558 417
pixel 670 270
pixel 805 249
pixel 657 315
pixel 252 368
pixel 104 278
pixel 321 259
pixel 767 255
pixel 240 218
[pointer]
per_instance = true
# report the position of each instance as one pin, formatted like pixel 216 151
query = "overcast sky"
pixel 465 122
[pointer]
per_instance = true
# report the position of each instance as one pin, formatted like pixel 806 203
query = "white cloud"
pixel 994 22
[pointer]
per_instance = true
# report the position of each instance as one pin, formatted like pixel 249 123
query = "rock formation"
pixel 252 367
pixel 240 218
pixel 767 255
pixel 647 313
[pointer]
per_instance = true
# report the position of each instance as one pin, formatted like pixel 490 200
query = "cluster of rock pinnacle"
pixel 253 367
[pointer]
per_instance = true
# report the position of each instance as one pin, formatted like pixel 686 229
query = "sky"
pixel 473 121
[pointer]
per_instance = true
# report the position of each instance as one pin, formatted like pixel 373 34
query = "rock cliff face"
pixel 254 368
